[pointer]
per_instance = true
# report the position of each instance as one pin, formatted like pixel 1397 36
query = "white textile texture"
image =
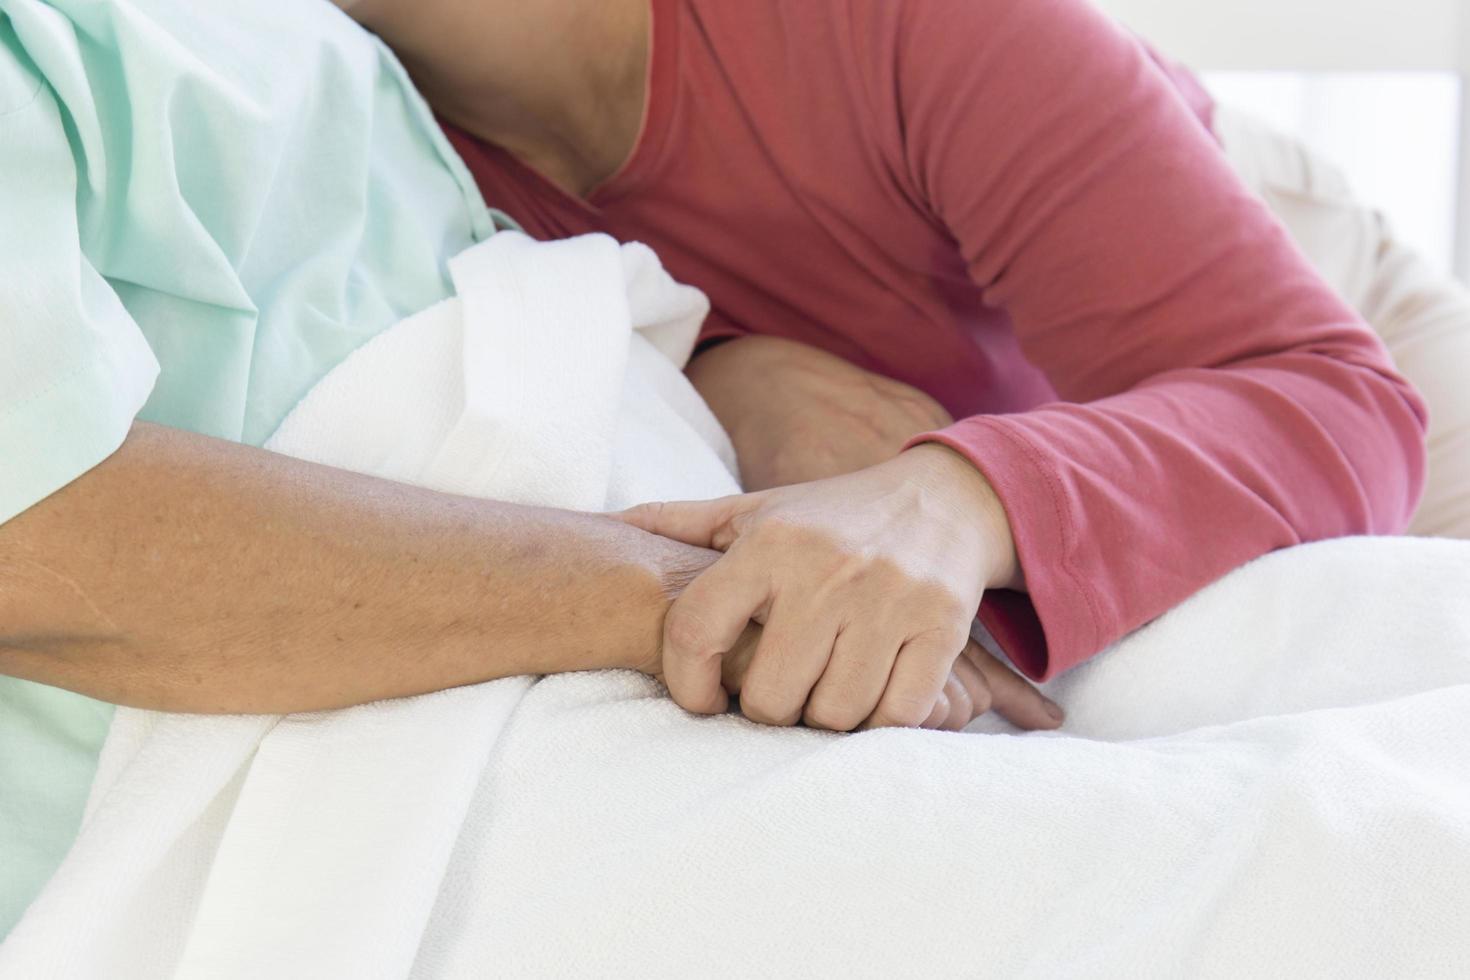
pixel 1271 780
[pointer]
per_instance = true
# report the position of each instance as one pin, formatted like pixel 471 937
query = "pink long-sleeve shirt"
pixel 1012 206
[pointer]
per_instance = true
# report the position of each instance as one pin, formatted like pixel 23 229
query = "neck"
pixel 558 83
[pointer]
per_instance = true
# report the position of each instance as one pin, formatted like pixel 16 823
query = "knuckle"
pixel 922 406
pixel 980 701
pixel 689 702
pixel 882 573
pixel 882 719
pixel 764 712
pixel 937 598
pixel 947 607
pixel 647 512
pixel 850 566
pixel 737 663
pixel 774 531
pixel 946 639
pixel 832 718
pixel 939 714
pixel 907 712
pixel 686 633
pixel 790 533
pixel 933 606
pixel 757 697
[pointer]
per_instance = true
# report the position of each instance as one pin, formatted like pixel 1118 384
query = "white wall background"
pixel 1380 86
pixel 1395 133
pixel 1320 35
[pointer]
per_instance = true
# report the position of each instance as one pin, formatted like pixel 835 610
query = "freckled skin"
pixel 195 575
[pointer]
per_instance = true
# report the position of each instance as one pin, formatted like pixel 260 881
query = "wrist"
pixel 977 506
pixel 663 569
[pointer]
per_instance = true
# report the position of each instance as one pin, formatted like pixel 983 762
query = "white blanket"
pixel 1273 780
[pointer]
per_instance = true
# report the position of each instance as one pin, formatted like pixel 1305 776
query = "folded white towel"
pixel 552 378
pixel 1272 780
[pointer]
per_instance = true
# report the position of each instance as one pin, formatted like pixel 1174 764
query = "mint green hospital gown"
pixel 204 206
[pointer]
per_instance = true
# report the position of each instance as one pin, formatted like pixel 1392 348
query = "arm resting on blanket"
pixel 189 574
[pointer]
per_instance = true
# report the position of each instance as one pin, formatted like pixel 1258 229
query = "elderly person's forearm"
pixel 188 574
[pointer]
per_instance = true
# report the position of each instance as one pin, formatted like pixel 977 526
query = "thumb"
pixel 702 523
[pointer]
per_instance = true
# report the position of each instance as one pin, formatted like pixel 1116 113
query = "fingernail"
pixel 1054 711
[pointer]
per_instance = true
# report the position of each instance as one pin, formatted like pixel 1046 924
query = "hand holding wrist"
pixel 674 566
pixel 866 586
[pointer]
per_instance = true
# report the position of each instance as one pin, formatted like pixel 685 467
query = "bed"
pixel 1281 793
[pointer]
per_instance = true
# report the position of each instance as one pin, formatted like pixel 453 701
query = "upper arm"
pixel 1090 203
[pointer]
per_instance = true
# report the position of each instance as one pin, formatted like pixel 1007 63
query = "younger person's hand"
pixel 866 585
pixel 977 683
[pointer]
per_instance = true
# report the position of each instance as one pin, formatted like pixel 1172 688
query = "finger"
pixel 960 705
pixel 701 626
pixel 939 716
pixel 1012 697
pixel 702 523
pixel 794 650
pixel 918 677
pixel 852 685
pixel 737 659
pixel 975 687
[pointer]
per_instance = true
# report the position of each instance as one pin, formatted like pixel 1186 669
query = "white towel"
pixel 1272 780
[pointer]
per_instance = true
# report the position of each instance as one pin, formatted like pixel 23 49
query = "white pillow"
pixel 1422 316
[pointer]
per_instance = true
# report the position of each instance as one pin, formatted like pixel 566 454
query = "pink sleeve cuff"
pixel 1010 618
pixel 1053 626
